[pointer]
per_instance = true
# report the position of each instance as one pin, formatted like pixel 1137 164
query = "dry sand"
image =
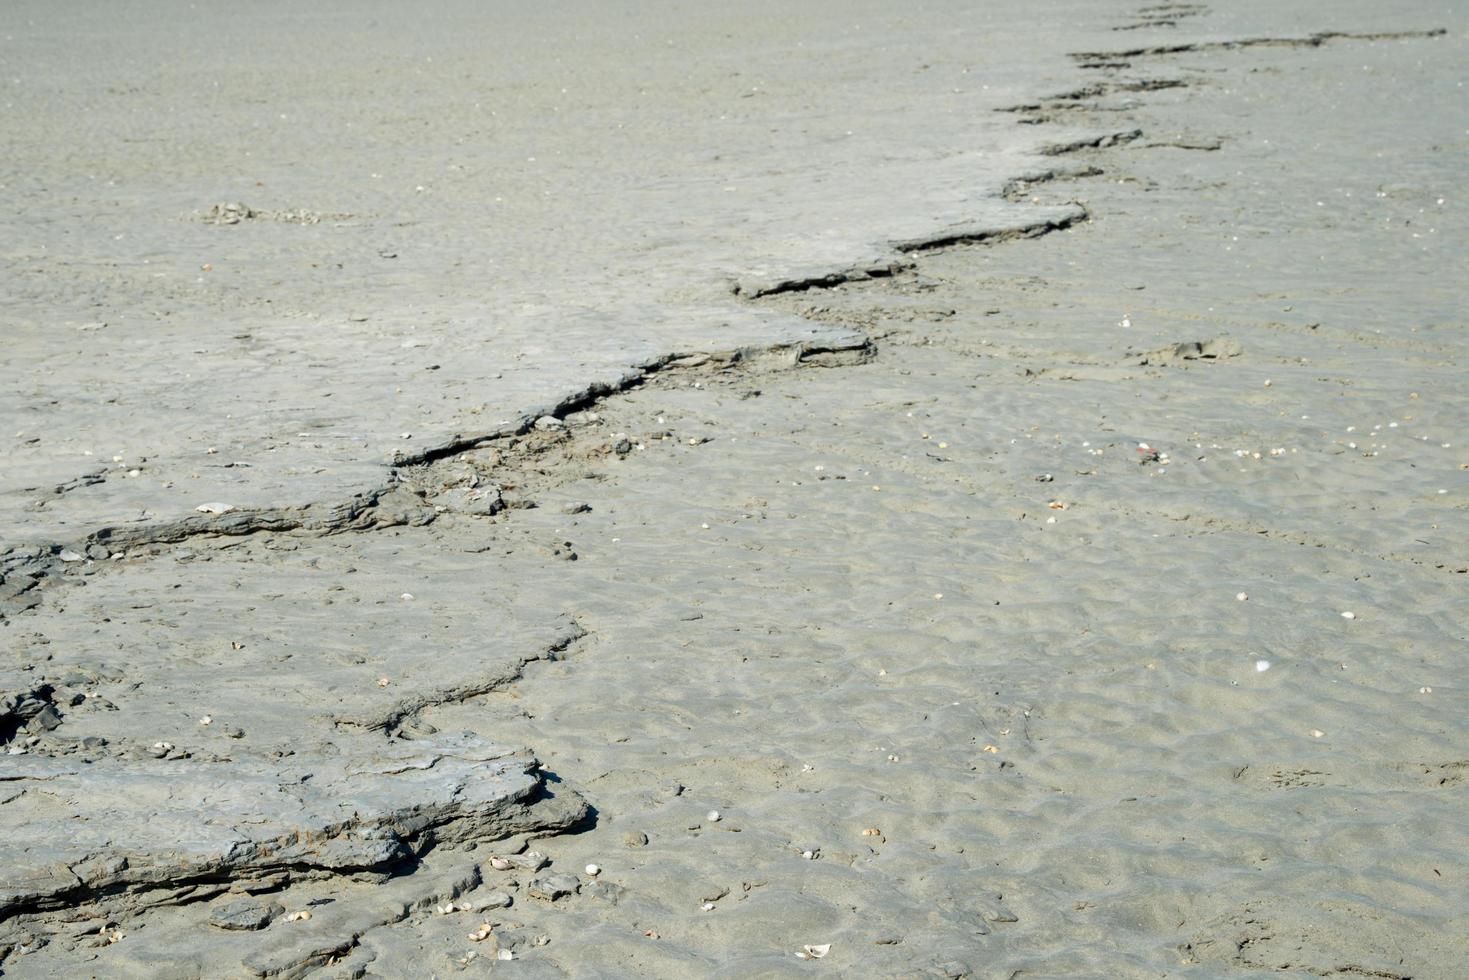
pixel 975 608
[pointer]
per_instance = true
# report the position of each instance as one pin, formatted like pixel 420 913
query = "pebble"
pixel 713 816
pixel 1261 666
pixel 554 887
pixel 1241 596
pixel 495 900
pixel 1348 615
pixel 593 870
pixel 244 914
pixel 635 838
pixel 530 861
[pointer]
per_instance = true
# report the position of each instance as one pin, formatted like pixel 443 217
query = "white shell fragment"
pixel 1261 666
pixel 814 952
pixel 215 507
pixel 593 870
pixel 1348 615
pixel 500 864
pixel 713 816
pixel 68 555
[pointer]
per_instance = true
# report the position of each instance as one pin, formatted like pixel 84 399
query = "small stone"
pixel 554 887
pixel 576 507
pixel 593 870
pixel 67 555
pixel 1348 615
pixel 529 861
pixel 500 864
pixel 46 720
pixel 635 838
pixel 244 913
pixel 713 816
pixel 606 891
pixel 495 900
pixel 215 507
pixel 550 423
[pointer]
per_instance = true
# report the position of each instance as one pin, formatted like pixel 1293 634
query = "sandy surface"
pixel 1083 604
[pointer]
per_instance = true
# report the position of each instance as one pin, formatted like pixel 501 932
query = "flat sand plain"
pixel 1083 604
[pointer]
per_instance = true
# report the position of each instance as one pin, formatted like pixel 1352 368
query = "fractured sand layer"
pixel 486 209
pixel 948 727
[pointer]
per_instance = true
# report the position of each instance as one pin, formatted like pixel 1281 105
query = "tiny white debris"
pixel 505 954
pixel 713 816
pixel 68 555
pixel 215 507
pixel 299 915
pixel 500 864
pixel 1425 690
pixel 809 855
pixel 593 870
pixel 383 682
pixel 1241 596
pixel 1261 666
pixel 704 526
pixel 1317 733
pixel 1267 382
pixel 814 952
pixel 406 597
pixel 206 720
pixel 1348 615
pixel 707 906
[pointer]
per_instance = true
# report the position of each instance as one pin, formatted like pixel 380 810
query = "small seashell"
pixel 299 915
pixel 871 832
pixel 593 870
pixel 504 954
pixel 1317 733
pixel 206 720
pixel 1425 690
pixel 707 906
pixel 68 555
pixel 500 864
pixel 651 934
pixel 713 816
pixel 814 952
pixel 383 682
pixel 215 507
pixel 482 933
pixel 1261 666
pixel 809 855
pixel 406 597
pixel 1241 596
pixel 991 749
pixel 1348 615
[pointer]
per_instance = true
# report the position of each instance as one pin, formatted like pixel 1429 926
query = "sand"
pixel 971 607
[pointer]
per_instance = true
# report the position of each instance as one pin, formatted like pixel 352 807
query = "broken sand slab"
pixel 269 734
pixel 138 835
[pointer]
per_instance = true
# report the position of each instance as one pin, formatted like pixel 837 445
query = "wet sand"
pixel 1082 602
